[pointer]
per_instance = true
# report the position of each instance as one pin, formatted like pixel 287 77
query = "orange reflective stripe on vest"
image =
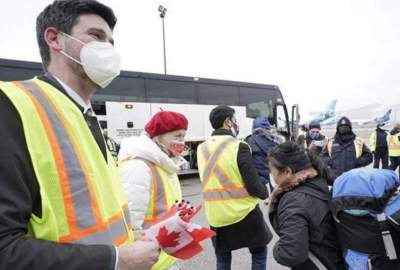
pixel 83 216
pixel 228 190
pixel 114 230
pixel 159 199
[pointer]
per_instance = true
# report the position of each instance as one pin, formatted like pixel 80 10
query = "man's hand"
pixel 141 255
pixel 311 146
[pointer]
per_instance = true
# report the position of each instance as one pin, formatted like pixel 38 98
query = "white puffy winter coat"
pixel 136 174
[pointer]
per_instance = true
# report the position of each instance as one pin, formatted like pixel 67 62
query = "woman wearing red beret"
pixel 149 166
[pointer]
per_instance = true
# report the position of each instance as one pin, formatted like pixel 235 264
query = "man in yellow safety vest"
pixel 62 204
pixel 393 141
pixel 231 191
pixel 379 147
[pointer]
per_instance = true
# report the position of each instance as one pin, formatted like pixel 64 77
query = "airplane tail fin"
pixel 331 107
pixel 388 113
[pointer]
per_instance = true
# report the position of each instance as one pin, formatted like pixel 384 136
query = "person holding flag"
pixel 149 166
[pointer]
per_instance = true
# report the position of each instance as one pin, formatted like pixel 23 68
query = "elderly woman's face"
pixel 173 141
pixel 167 138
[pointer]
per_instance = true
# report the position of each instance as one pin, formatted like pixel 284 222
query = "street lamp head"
pixel 162 11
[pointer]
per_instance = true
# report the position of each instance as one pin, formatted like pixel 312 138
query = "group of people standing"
pixel 351 151
pixel 298 180
pixel 386 147
pixel 66 205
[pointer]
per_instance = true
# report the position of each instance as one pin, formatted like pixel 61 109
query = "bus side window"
pixel 218 94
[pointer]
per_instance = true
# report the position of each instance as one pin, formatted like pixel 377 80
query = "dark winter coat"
pixel 343 156
pixel 252 231
pixel 381 141
pixel 261 145
pixel 394 131
pixel 303 221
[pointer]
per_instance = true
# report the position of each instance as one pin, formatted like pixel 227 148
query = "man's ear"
pixel 226 123
pixel 52 38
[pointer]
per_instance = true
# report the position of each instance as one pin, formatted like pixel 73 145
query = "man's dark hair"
pixel 219 114
pixel 64 15
pixel 314 124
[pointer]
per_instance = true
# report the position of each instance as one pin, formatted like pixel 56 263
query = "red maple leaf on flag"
pixel 166 239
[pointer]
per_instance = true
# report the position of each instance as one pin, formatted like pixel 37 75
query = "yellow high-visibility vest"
pixel 372 141
pixel 393 145
pixel 358 145
pixel 226 199
pixel 165 191
pixel 82 198
pixel 302 133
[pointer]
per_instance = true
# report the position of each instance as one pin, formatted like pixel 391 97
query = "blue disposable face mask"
pixel 314 135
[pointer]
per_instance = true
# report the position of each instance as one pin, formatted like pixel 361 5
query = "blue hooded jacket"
pixel 261 142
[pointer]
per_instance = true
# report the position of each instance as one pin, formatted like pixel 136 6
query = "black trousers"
pixel 381 155
pixel 394 163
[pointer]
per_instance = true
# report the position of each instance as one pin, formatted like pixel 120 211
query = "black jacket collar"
pixel 48 78
pixel 316 187
pixel 221 131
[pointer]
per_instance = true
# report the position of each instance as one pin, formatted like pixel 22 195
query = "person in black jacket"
pixel 299 211
pixel 112 145
pixel 301 137
pixel 346 151
pixel 379 147
pixel 262 141
pixel 314 140
pixel 252 231
pixel 20 193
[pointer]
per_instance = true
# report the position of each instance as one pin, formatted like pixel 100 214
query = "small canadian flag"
pixel 176 235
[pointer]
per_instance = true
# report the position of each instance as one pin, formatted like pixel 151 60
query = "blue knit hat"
pixel 261 122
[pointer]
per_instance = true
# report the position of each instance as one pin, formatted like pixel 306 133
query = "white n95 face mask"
pixel 99 60
pixel 272 181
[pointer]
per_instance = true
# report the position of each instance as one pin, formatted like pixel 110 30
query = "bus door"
pixel 295 122
pixel 282 120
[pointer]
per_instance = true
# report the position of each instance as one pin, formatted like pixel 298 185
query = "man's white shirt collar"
pixel 75 96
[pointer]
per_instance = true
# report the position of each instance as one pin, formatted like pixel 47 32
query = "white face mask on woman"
pixel 99 60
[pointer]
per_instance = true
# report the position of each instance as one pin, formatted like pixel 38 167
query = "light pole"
pixel 163 11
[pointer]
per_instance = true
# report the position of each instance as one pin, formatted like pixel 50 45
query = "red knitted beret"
pixel 164 122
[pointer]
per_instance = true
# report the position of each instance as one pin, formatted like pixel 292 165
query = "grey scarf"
pixel 269 135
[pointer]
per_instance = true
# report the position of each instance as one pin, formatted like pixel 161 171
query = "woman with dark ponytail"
pixel 299 211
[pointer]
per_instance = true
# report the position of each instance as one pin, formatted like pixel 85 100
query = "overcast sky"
pixel 314 50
